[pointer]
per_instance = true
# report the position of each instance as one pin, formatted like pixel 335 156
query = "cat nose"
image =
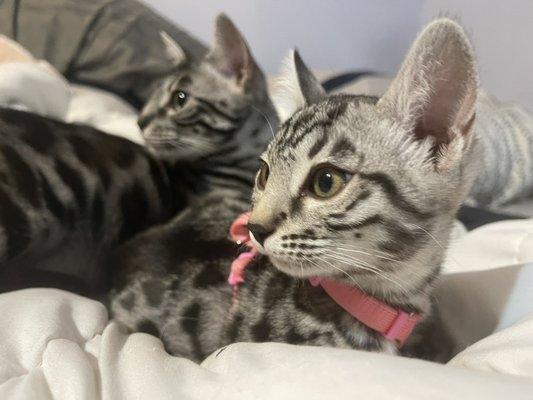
pixel 260 232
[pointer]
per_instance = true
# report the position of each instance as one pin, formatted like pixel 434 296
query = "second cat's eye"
pixel 327 181
pixel 180 98
pixel 262 177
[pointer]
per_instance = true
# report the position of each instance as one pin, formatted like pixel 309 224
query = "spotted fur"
pixel 411 158
pixel 69 194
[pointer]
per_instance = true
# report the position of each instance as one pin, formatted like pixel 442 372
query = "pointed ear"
pixel 297 87
pixel 435 92
pixel 231 56
pixel 173 49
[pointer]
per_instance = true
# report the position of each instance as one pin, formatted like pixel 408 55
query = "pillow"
pixel 114 45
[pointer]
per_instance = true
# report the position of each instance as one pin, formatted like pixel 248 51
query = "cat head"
pixel 209 104
pixel 366 189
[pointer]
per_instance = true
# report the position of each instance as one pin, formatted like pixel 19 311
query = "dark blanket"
pixel 110 44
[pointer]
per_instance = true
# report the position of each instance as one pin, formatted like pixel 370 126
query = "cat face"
pixel 204 104
pixel 366 189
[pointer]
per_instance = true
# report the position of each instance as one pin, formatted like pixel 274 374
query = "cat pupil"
pixel 180 98
pixel 325 182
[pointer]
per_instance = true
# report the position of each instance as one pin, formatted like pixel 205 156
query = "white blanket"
pixel 34 85
pixel 56 345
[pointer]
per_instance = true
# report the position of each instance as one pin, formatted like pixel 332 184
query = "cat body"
pixel 357 190
pixel 70 193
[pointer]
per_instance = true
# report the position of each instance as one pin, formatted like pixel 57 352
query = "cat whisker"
pixel 266 119
pixel 443 248
pixel 370 254
pixel 369 268
pixel 341 270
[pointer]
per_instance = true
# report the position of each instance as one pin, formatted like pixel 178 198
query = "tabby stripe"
pixel 375 219
pixel 298 138
pixel 190 324
pixel 401 239
pixel 224 151
pixel 394 195
pixel 123 155
pixel 261 330
pixel 294 337
pixel 365 194
pixel 97 214
pixel 23 176
pixel 295 205
pixel 134 206
pixel 16 225
pixel 88 155
pixel 319 144
pixel 73 180
pixel 342 144
pixel 230 176
pixel 41 142
pixel 209 127
pixel 148 326
pixel 234 328
pixel 52 202
pixel 231 118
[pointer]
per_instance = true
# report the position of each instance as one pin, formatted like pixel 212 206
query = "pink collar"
pixel 394 324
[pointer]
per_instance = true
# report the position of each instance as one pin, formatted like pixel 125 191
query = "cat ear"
pixel 173 49
pixel 434 94
pixel 232 57
pixel 296 87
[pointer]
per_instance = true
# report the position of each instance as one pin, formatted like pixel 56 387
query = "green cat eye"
pixel 180 98
pixel 262 177
pixel 327 182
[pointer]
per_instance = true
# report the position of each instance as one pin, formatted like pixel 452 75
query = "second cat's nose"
pixel 260 232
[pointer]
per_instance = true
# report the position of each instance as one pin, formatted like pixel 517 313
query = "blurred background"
pixel 372 34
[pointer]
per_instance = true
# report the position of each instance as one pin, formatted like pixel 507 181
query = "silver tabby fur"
pixel 412 157
pixel 70 193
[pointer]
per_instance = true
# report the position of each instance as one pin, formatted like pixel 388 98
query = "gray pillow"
pixel 111 44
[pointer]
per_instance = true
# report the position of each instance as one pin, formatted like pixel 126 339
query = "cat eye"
pixel 327 181
pixel 262 177
pixel 180 98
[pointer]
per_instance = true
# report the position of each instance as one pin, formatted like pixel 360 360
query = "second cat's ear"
pixel 174 51
pixel 434 94
pixel 231 56
pixel 297 87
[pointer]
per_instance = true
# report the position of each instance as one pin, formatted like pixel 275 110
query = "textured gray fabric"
pixel 111 44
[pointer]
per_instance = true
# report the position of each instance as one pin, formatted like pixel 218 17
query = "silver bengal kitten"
pixel 353 188
pixel 70 193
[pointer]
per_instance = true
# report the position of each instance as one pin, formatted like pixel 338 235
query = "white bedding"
pixel 56 345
